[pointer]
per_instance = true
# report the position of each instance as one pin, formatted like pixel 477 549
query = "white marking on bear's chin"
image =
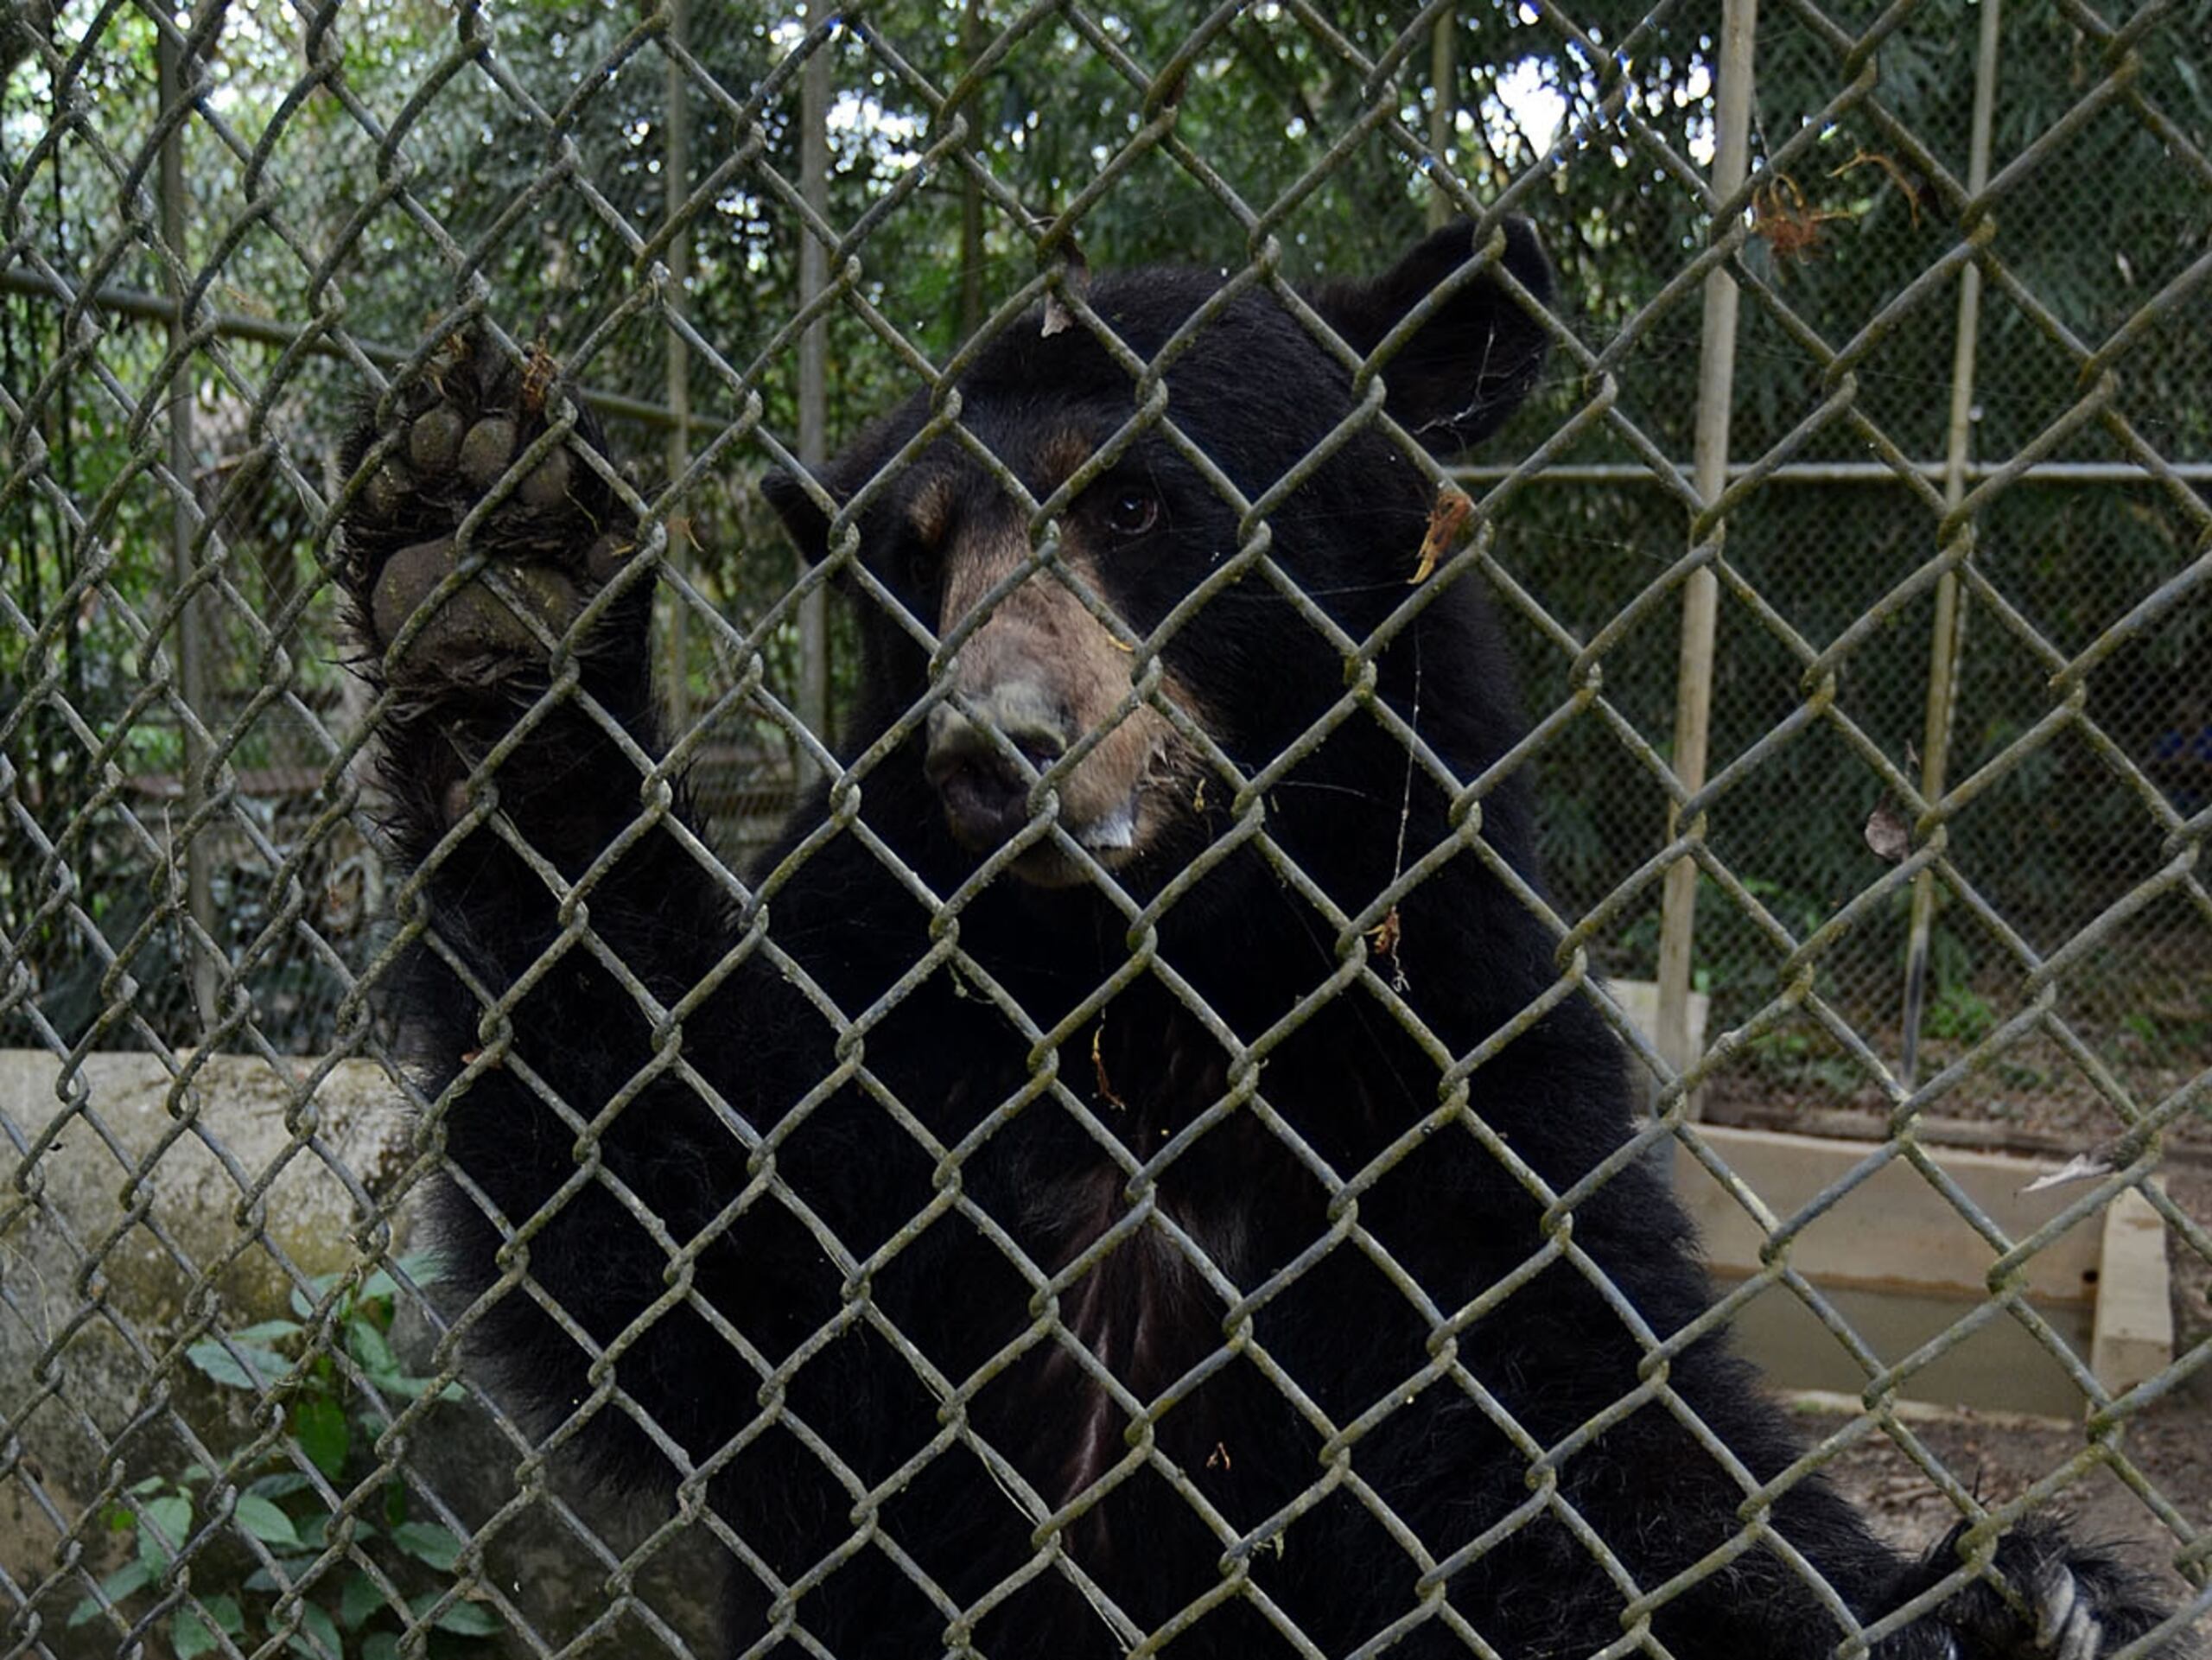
pixel 1117 832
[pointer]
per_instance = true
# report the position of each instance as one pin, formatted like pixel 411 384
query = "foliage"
pixel 1802 1063
pixel 517 157
pixel 327 1518
pixel 1961 1014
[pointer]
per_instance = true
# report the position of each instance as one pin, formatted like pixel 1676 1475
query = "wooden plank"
pixel 1894 1227
pixel 2134 1335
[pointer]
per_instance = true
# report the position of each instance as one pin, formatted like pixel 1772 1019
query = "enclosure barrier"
pixel 1933 587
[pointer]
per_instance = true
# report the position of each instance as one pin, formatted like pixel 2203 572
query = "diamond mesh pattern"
pixel 225 229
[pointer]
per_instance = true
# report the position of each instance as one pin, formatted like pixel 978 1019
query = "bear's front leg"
pixel 568 936
pixel 486 562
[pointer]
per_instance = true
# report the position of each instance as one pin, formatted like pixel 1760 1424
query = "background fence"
pixel 1965 447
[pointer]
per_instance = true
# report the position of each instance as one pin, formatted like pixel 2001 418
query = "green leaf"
pixel 380 1645
pixel 303 1302
pixel 282 1485
pixel 379 1287
pixel 266 1332
pixel 314 1528
pixel 128 1579
pixel 468 1619
pixel 265 1522
pixel 426 1541
pixel 367 1345
pixel 319 1424
pixel 225 1612
pixel 189 1637
pixel 359 1600
pixel 261 1579
pixel 219 1363
pixel 215 1361
pixel 172 1515
pixel 407 1383
pixel 315 1622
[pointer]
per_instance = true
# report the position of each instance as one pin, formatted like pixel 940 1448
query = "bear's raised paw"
pixel 481 473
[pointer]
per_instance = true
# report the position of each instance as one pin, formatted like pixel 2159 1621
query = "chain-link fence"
pixel 1854 552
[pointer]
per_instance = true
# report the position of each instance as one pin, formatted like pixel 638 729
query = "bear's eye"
pixel 1130 512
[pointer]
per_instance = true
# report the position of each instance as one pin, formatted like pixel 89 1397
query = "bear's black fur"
pixel 1248 1251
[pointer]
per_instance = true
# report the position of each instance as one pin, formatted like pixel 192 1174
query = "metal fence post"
pixel 676 160
pixel 973 38
pixel 191 647
pixel 813 390
pixel 1443 71
pixel 1948 634
pixel 1701 594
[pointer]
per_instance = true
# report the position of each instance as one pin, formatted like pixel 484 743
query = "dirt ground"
pixel 1998 1460
pixel 1997 1457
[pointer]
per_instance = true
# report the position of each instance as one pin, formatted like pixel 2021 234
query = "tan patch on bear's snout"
pixel 1124 790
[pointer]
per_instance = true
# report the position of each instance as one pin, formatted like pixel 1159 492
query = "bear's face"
pixel 1038 630
pixel 1036 596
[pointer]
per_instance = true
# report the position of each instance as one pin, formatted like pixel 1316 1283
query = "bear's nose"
pixel 984 800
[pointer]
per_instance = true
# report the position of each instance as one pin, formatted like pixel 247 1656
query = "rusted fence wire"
pixel 1939 866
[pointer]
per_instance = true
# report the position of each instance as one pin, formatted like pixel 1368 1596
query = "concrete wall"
pixel 139 1213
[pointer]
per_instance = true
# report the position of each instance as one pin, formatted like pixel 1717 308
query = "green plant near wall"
pixel 1961 1014
pixel 394 1562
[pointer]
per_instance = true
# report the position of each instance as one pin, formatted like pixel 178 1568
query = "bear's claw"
pixel 2081 1602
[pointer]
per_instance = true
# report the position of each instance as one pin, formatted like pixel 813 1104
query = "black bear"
pixel 1128 1168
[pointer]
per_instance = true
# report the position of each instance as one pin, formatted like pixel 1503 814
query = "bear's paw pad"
pixel 473 545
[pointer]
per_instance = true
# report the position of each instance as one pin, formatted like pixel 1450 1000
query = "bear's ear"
pixel 801 513
pixel 1472 363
